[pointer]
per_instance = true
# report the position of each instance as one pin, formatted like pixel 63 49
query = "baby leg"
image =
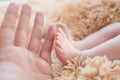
pixel 106 41
pixel 110 48
pixel 106 33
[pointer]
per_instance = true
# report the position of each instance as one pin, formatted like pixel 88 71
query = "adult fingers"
pixel 21 37
pixel 35 40
pixel 46 49
pixel 7 32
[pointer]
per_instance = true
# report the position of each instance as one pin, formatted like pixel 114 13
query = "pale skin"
pixel 103 42
pixel 17 60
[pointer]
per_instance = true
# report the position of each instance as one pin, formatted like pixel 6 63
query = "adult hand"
pixel 18 61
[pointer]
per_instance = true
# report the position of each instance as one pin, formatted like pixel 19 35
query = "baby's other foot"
pixel 64 48
pixel 76 44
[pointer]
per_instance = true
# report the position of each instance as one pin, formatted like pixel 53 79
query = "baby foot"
pixel 63 47
pixel 66 32
pixel 76 44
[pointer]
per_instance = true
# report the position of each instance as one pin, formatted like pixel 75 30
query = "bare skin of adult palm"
pixel 18 61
